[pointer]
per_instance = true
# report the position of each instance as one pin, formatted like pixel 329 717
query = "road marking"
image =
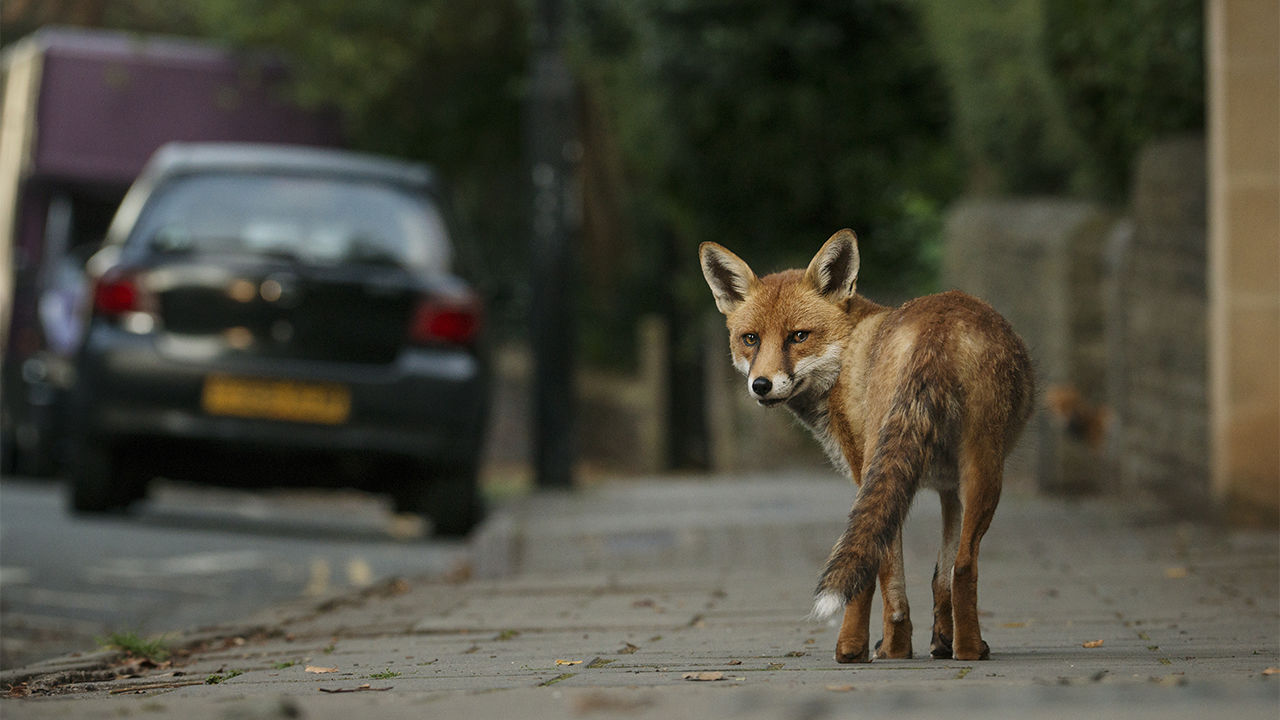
pixel 359 574
pixel 318 581
pixel 14 576
pixel 202 563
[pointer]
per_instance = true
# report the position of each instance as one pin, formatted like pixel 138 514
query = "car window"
pixel 326 221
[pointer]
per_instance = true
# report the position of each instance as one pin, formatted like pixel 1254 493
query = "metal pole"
pixel 552 150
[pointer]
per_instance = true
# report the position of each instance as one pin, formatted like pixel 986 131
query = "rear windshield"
pixel 325 221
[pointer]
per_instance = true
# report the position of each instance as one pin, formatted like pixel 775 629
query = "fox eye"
pixel 799 336
pixel 750 339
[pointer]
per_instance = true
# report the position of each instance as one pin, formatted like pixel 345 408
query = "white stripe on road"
pixel 202 563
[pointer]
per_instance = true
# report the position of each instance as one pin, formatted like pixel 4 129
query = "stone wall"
pixel 1040 262
pixel 1156 344
pixel 620 418
pixel 1114 313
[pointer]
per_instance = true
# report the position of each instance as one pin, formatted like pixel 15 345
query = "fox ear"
pixel 833 272
pixel 729 277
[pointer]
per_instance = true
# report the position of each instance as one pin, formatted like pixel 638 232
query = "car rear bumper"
pixel 428 405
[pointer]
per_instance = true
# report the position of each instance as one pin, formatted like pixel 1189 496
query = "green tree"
pixel 1010 123
pixel 769 125
pixel 432 80
pixel 1128 72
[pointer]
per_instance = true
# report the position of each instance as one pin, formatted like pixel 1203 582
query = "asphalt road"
pixel 188 557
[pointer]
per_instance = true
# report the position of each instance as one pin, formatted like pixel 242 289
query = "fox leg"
pixel 943 626
pixel 852 642
pixel 897 615
pixel 980 479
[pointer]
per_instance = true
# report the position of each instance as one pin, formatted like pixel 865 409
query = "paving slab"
pixel 1091 609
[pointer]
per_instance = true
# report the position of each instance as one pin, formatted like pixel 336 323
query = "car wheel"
pixel 8 453
pixel 450 498
pixel 100 482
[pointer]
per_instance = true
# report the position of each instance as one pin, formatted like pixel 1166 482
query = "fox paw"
pixel 896 652
pixel 983 652
pixel 852 656
pixel 940 647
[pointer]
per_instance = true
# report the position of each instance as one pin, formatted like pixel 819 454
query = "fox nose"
pixel 761 386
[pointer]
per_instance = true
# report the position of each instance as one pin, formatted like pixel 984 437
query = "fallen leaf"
pixel 568 662
pixel 840 688
pixel 703 676
pixel 154 686
pixel 734 662
pixel 1176 572
pixel 317 669
pixel 628 649
pixel 1092 644
pixel 21 690
pixel 1271 671
pixel 363 688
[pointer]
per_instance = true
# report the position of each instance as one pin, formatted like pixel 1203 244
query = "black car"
pixel 266 315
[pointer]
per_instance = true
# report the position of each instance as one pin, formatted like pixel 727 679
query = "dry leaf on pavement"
pixel 363 688
pixel 703 676
pixel 1092 644
pixel 318 669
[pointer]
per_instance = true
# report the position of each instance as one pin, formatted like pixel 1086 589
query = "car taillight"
pixel 116 295
pixel 451 321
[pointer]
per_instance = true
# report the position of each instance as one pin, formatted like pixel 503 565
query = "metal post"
pixel 552 149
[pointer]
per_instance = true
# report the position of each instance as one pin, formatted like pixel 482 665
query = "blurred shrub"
pixel 1057 96
pixel 1009 120
pixel 767 126
pixel 1128 72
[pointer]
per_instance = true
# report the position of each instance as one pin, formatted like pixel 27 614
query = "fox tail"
pixel 907 442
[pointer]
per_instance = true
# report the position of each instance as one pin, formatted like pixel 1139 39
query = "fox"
pixel 933 393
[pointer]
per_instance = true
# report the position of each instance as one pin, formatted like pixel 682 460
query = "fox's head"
pixel 788 330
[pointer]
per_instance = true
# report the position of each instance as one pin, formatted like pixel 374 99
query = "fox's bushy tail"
pixel 908 440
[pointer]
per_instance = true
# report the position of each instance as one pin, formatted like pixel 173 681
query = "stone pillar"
pixel 1041 263
pixel 1244 256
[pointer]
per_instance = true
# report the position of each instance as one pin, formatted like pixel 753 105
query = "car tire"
pixel 100 482
pixel 8 453
pixel 449 498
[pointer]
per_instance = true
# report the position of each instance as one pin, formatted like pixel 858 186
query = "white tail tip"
pixel 827 603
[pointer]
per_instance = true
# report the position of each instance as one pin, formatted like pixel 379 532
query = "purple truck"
pixel 81 111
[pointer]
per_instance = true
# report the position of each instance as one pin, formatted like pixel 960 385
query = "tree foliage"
pixel 1010 124
pixel 767 126
pixel 430 80
pixel 1129 72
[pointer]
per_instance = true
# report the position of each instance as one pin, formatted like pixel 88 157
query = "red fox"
pixel 933 393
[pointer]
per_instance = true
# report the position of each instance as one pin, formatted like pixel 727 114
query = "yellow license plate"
pixel 327 403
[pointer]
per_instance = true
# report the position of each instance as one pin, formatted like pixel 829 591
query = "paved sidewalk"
pixel 669 599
